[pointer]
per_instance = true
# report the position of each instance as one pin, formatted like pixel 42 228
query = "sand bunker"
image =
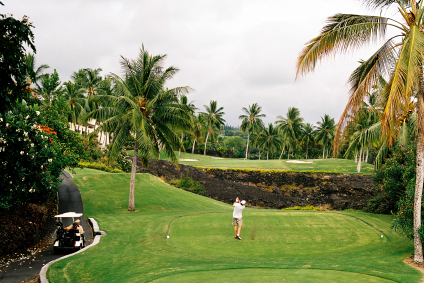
pixel 298 161
pixel 188 159
pixel 217 158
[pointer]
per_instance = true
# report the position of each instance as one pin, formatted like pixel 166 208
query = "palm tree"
pixel 197 130
pixel 213 116
pixel 269 139
pixel 401 61
pixel 308 131
pixel 324 133
pixel 190 108
pixel 34 75
pixel 251 121
pixel 142 108
pixel 75 101
pixel 290 126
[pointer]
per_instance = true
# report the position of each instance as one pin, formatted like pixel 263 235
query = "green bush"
pixel 32 156
pixel 99 166
pixel 393 179
pixel 188 184
pixel 308 207
pixel 222 151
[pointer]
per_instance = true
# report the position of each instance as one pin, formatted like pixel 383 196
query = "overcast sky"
pixel 237 52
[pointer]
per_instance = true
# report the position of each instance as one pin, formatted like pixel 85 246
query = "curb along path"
pixel 96 231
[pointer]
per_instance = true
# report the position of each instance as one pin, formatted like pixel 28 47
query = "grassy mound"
pixel 295 246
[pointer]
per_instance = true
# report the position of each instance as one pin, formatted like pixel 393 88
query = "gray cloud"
pixel 236 52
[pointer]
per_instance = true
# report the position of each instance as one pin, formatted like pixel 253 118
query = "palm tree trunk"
pixel 259 154
pixel 323 152
pixel 356 157
pixel 267 154
pixel 306 151
pixel 288 153
pixel 179 152
pixel 368 152
pixel 418 246
pixel 358 168
pixel 282 151
pixel 247 145
pixel 194 142
pixel 131 204
pixel 206 142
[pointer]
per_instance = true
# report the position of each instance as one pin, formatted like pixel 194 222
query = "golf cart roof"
pixel 69 214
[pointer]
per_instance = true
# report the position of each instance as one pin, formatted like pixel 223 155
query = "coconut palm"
pixel 290 126
pixel 251 121
pixel 213 116
pixel 75 101
pixel 197 130
pixel 400 58
pixel 34 74
pixel 143 109
pixel 308 131
pixel 324 133
pixel 270 139
pixel 190 108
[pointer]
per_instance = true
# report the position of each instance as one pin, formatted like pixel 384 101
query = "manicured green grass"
pixel 318 165
pixel 277 246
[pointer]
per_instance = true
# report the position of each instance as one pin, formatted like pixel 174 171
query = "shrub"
pixel 99 166
pixel 188 184
pixel 308 207
pixel 222 151
pixel 31 157
pixel 393 179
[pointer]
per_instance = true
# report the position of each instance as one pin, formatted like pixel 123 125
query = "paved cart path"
pixel 29 267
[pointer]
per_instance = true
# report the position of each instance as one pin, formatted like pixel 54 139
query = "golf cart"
pixel 71 239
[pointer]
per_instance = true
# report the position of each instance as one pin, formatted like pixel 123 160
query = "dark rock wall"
pixel 274 189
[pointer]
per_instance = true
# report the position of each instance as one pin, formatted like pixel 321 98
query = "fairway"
pixel 346 166
pixel 274 233
pixel 277 246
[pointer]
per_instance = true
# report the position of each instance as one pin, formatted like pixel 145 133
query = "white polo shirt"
pixel 238 209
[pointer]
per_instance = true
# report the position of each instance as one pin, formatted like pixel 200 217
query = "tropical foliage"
pixel 143 108
pixel 399 59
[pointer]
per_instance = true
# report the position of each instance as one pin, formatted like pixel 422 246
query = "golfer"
pixel 237 215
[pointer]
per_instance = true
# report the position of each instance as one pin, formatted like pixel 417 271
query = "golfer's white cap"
pixel 243 202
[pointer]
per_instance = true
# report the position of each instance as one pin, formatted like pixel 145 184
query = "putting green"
pixel 273 275
pixel 274 234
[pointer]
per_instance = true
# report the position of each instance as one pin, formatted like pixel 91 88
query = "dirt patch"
pixel 298 161
pixel 420 267
pixel 189 159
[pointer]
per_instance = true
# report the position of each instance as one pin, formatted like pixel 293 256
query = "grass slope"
pixel 277 246
pixel 318 165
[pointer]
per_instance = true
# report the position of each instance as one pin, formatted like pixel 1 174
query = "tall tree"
pixel 190 108
pixel 324 133
pixel 308 131
pixel 213 116
pixel 15 35
pixel 400 58
pixel 197 130
pixel 269 139
pixel 290 126
pixel 34 74
pixel 251 121
pixel 143 109
pixel 75 101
